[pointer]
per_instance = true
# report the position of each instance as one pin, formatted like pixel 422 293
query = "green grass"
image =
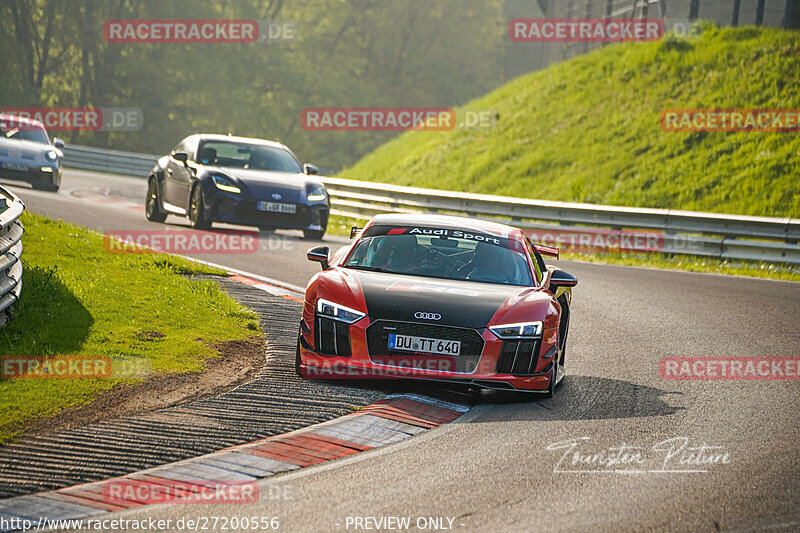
pixel 587 130
pixel 140 310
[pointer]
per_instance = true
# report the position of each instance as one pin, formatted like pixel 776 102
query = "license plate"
pixel 14 166
pixel 407 343
pixel 276 207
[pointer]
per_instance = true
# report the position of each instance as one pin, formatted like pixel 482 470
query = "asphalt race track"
pixel 500 466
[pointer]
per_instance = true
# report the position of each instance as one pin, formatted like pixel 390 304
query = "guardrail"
pixel 679 232
pixel 11 208
pixel 127 163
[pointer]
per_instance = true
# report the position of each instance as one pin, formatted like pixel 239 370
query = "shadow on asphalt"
pixel 587 398
pixel 576 398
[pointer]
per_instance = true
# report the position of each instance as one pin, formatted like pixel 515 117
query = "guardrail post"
pixel 760 12
pixel 694 9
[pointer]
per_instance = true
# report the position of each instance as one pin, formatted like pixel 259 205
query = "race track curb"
pixel 393 419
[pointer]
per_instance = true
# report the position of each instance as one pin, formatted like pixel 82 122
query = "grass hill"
pixel 587 130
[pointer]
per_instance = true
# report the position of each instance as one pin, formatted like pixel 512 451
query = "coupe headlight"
pixel 316 195
pixel 51 155
pixel 526 330
pixel 224 183
pixel 338 312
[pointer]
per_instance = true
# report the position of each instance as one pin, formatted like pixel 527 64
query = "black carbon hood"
pixel 459 303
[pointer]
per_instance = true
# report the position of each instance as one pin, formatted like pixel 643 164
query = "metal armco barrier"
pixel 127 163
pixel 11 230
pixel 681 232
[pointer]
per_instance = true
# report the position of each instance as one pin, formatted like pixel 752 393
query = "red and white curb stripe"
pixel 393 419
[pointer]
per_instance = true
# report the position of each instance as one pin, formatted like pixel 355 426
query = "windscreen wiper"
pixel 369 268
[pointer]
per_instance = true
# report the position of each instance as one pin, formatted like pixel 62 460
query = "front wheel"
pixel 551 387
pixel 313 234
pixel 152 210
pixel 197 209
pixel 297 359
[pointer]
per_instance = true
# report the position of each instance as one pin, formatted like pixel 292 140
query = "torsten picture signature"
pixel 674 455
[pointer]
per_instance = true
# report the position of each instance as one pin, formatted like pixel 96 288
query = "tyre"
pixel 563 328
pixel 551 387
pixel 313 234
pixel 152 207
pixel 297 360
pixel 197 209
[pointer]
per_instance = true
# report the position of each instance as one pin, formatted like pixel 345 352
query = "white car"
pixel 27 154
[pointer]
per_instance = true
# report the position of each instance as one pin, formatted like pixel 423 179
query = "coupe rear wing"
pixel 552 251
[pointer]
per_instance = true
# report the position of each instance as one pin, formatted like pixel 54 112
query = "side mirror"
pixel 58 143
pixel 310 169
pixel 559 278
pixel 321 255
pixel 354 231
pixel 183 157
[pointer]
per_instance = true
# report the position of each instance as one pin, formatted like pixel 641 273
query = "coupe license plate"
pixel 407 343
pixel 277 207
pixel 14 166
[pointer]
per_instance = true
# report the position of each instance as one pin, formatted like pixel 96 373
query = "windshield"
pixel 23 132
pixel 247 156
pixel 471 257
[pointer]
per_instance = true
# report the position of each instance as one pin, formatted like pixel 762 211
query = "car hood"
pixel 262 184
pixel 28 147
pixel 457 303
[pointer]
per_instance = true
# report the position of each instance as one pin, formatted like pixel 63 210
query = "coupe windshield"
pixel 23 132
pixel 471 258
pixel 247 156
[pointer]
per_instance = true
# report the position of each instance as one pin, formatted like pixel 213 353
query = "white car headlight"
pixel 338 312
pixel 525 330
pixel 51 155
pixel 224 183
pixel 316 195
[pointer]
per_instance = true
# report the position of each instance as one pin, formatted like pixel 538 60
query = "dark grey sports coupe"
pixel 238 180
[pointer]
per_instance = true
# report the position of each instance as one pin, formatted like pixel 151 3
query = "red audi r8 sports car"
pixel 438 298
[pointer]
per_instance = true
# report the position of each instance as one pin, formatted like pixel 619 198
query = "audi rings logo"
pixel 427 316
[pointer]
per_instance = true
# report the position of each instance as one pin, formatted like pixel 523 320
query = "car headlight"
pixel 316 195
pixel 51 155
pixel 525 330
pixel 224 183
pixel 338 312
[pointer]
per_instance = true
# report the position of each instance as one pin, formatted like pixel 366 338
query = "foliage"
pixel 349 53
pixel 587 130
